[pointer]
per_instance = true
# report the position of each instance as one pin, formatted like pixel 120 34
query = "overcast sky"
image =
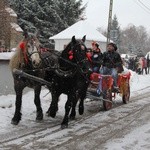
pixel 127 11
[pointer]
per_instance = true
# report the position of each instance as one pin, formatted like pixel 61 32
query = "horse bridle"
pixel 33 52
pixel 82 61
pixel 77 64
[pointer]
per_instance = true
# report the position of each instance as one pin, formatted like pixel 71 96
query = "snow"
pixel 6 102
pixel 80 29
pixel 16 27
pixel 11 12
pixel 131 138
pixel 7 105
pixel 6 55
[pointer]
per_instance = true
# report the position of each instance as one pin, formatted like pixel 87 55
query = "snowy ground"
pixel 122 128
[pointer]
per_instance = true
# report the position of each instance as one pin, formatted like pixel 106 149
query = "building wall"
pixel 4 24
pixel 9 37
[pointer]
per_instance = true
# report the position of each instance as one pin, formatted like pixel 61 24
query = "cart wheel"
pixel 126 96
pixel 107 95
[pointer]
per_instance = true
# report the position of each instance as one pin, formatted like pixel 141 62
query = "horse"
pixel 27 58
pixel 71 78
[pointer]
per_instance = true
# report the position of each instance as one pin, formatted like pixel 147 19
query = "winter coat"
pixel 112 59
pixel 145 63
pixel 140 63
pixel 97 59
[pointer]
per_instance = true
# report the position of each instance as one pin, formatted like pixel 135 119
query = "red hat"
pixel 95 43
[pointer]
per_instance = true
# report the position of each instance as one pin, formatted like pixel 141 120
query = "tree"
pixel 115 31
pixel 47 16
pixel 134 39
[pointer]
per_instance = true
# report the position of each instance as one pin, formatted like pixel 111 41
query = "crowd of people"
pixel 140 65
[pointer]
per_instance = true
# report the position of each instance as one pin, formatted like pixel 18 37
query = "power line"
pixel 142 7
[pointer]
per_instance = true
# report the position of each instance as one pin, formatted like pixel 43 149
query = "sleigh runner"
pixel 101 88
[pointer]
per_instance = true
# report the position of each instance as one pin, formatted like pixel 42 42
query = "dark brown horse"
pixel 27 58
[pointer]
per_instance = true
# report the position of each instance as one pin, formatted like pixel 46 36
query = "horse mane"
pixel 17 58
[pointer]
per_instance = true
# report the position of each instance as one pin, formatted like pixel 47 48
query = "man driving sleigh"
pixel 112 63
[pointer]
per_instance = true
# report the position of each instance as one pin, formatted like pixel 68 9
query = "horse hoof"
pixel 81 110
pixel 72 117
pixel 52 114
pixel 14 122
pixel 48 113
pixel 64 126
pixel 39 116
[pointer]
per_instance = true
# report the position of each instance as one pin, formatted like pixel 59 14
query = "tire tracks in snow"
pixel 51 130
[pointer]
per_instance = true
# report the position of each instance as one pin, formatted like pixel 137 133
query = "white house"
pixel 125 56
pixel 79 29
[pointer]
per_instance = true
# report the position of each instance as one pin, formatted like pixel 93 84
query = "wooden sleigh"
pixel 101 88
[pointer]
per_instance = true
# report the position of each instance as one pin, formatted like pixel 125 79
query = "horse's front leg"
pixel 73 110
pixel 81 104
pixel 18 90
pixel 54 104
pixel 37 102
pixel 68 106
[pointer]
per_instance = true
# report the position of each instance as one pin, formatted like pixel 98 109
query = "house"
pixel 10 32
pixel 125 56
pixel 79 29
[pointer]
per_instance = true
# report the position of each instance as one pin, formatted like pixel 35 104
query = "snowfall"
pixel 137 138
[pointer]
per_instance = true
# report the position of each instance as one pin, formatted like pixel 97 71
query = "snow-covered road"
pixel 122 128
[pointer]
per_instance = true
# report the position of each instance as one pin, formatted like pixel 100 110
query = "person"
pixel 139 67
pixel 148 63
pixel 144 65
pixel 97 57
pixel 112 63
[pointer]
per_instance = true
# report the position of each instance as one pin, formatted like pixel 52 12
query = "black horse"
pixel 27 58
pixel 71 78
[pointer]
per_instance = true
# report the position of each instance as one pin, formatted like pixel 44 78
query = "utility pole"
pixel 109 21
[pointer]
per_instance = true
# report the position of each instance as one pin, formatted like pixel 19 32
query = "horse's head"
pixel 31 49
pixel 75 53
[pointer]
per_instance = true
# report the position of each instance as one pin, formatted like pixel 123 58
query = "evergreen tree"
pixel 49 17
pixel 115 31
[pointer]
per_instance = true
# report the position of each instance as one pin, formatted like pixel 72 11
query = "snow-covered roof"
pixel 80 29
pixel 11 11
pixel 16 27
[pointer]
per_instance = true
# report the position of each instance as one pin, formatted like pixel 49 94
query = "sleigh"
pixel 101 88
